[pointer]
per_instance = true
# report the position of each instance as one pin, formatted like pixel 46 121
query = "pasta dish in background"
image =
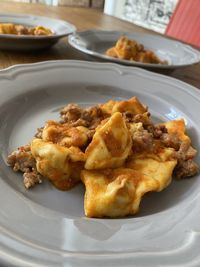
pixel 17 29
pixel 128 49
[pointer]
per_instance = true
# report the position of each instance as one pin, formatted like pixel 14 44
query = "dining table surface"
pixel 83 19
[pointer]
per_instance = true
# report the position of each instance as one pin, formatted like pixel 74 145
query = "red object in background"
pixel 185 22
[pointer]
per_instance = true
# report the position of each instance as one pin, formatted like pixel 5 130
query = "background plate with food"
pixel 169 54
pixel 30 32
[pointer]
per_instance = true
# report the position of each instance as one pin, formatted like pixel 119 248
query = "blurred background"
pixel 179 19
pixel 151 14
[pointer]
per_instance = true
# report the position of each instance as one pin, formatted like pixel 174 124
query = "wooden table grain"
pixel 83 19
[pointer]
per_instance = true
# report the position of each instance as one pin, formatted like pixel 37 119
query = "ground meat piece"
pixel 191 153
pixel 93 116
pixel 171 140
pixel 79 122
pixel 131 117
pixel 32 178
pixel 91 113
pixel 71 113
pixel 21 159
pixel 158 131
pixel 186 151
pixel 142 140
pixel 76 116
pixel 186 168
pixel 39 132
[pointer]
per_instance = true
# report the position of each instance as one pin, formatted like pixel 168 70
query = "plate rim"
pixel 62 62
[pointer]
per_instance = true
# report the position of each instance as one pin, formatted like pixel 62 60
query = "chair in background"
pixel 185 22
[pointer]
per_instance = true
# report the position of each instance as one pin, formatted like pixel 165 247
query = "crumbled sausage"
pixel 142 140
pixel 158 131
pixel 77 116
pixel 186 168
pixel 32 178
pixel 184 154
pixel 22 160
pixel 131 117
pixel 185 151
pixel 71 113
pixel 39 132
pixel 170 140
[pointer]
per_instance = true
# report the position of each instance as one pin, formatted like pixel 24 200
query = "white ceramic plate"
pixel 95 43
pixel 24 42
pixel 47 227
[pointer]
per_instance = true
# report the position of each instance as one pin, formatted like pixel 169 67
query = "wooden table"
pixel 83 19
